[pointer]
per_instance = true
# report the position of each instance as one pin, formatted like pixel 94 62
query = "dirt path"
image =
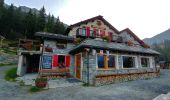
pixel 133 90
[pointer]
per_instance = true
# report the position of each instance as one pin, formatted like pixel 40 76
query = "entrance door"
pixel 78 66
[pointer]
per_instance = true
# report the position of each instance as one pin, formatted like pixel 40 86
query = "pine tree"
pixel 30 24
pixel 41 19
pixel 59 27
pixel 50 24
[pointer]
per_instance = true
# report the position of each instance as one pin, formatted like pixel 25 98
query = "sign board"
pixel 47 62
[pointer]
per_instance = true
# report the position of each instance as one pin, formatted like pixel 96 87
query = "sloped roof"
pixel 99 44
pixel 54 36
pixel 91 19
pixel 133 34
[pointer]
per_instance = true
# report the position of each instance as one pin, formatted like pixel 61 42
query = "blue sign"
pixel 47 61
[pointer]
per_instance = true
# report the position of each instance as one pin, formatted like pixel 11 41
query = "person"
pixel 61 65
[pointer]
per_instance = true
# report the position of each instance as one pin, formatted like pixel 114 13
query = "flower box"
pixel 41 82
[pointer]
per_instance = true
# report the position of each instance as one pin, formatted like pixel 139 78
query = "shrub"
pixel 77 40
pixel 11 74
pixel 34 89
pixel 106 38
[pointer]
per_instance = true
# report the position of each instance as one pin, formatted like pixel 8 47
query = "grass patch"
pixel 86 84
pixel 35 89
pixel 21 83
pixel 6 64
pixel 8 51
pixel 11 74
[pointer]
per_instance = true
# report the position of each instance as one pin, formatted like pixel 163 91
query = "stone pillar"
pixel 150 62
pixel 120 61
pixel 136 62
pixel 117 61
pixel 20 64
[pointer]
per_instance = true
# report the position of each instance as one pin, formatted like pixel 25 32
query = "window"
pixel 128 62
pixel 83 32
pixel 61 61
pixel 111 61
pixel 100 61
pixel 60 46
pixel 105 61
pixel 145 62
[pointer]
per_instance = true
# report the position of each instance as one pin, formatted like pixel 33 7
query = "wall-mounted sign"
pixel 47 62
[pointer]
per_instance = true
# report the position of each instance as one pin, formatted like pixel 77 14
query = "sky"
pixel 145 18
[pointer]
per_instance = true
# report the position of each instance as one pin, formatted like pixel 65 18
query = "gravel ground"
pixel 132 90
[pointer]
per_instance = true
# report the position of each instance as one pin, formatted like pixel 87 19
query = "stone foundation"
pixel 117 78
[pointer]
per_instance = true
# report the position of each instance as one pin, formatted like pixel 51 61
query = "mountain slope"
pixel 160 38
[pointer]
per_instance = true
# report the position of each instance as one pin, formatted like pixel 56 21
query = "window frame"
pixel 136 64
pixel 106 67
pixel 149 62
pixel 65 45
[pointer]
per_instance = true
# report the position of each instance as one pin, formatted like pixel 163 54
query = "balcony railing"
pixel 30 45
pixel 81 32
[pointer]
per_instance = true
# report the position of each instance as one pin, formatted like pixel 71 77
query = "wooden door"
pixel 78 66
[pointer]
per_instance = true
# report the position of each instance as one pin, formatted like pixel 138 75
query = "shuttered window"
pixel 55 60
pixel 67 60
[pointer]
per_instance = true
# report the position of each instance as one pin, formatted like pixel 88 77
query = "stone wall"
pixel 92 68
pixel 107 76
pixel 117 76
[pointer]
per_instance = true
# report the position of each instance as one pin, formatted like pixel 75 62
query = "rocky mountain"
pixel 160 38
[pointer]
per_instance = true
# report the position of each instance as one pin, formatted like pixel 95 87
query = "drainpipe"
pixel 88 68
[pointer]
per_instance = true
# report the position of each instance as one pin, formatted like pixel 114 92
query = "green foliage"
pixel 163 49
pixel 8 51
pixel 6 64
pixel 34 89
pixel 16 24
pixel 41 79
pixel 106 38
pixel 10 74
pixel 21 83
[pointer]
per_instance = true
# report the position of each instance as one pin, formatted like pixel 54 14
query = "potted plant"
pixel 41 82
pixel 129 43
pixel 145 45
pixel 106 38
pixel 77 40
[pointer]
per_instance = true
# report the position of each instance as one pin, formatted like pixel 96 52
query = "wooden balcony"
pixel 81 32
pixel 29 45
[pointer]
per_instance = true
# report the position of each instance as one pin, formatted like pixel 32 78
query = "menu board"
pixel 47 61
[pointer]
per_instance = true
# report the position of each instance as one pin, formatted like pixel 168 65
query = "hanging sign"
pixel 47 61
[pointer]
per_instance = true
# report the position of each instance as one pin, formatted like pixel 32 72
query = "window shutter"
pixel 95 31
pixel 98 33
pixel 110 35
pixel 103 33
pixel 55 60
pixel 87 31
pixel 67 61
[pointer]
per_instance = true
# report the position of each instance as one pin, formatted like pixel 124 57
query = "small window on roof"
pixel 61 45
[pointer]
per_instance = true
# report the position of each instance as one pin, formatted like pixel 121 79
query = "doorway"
pixel 78 66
